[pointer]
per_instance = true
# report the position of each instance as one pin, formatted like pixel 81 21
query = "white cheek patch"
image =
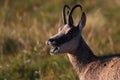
pixel 65 29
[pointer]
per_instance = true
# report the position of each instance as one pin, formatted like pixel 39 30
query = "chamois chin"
pixel 87 65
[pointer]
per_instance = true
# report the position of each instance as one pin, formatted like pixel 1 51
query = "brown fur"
pixel 90 67
pixel 86 64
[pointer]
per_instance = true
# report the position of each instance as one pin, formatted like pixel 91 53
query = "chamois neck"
pixel 82 56
pixel 83 53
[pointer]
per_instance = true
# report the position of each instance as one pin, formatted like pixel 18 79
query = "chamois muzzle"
pixel 54 45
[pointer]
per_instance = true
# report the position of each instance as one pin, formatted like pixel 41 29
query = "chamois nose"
pixel 51 42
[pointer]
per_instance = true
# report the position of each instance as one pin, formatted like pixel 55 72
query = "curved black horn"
pixel 70 14
pixel 63 13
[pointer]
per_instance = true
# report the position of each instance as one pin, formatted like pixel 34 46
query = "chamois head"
pixel 68 36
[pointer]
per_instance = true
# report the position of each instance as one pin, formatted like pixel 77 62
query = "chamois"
pixel 87 65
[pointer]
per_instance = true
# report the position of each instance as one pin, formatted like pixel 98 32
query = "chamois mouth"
pixel 54 50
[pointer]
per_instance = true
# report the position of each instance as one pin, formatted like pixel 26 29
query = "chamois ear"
pixel 82 21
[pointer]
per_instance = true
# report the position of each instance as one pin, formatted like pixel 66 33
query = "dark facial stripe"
pixel 66 37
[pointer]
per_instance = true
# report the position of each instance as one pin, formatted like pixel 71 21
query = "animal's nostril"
pixel 51 42
pixel 48 42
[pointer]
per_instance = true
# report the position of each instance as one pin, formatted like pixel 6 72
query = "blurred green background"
pixel 25 25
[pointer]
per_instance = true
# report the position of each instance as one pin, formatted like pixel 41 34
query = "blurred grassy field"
pixel 25 25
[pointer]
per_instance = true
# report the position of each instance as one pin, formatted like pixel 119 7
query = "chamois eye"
pixel 70 32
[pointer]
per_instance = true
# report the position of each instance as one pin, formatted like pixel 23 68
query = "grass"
pixel 25 25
